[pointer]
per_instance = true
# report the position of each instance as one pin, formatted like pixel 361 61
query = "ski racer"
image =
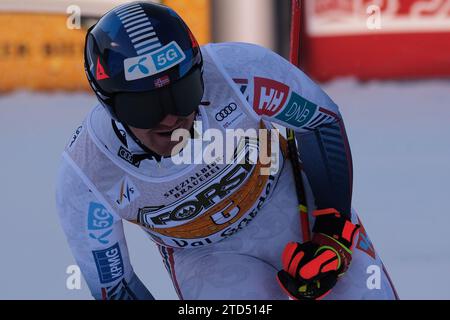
pixel 226 229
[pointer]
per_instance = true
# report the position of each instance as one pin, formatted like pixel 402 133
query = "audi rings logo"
pixel 128 157
pixel 225 112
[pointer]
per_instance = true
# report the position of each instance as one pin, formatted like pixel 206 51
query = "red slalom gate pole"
pixel 293 152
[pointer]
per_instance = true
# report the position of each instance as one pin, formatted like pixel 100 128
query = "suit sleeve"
pixel 279 92
pixel 96 239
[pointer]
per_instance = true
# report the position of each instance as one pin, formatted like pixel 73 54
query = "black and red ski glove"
pixel 311 269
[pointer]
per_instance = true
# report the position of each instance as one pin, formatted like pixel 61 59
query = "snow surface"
pixel 399 134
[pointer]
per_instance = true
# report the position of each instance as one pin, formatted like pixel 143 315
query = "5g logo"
pixel 374 280
pixel 168 56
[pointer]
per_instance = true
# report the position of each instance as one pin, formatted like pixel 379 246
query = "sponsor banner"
pixel 350 17
pixel 51 60
pixel 196 14
pixel 376 39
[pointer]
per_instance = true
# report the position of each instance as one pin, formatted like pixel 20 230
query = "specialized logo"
pixel 270 96
pixel 154 62
pixel 124 192
pixel 100 73
pixel 99 222
pixel 128 157
pixel 298 111
pixel 109 263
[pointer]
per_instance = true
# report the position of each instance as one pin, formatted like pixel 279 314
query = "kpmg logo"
pixel 109 263
pixel 154 62
pixel 100 222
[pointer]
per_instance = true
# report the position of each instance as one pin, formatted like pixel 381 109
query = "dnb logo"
pixel 154 62
pixel 298 111
pixel 109 263
pixel 270 96
pixel 99 222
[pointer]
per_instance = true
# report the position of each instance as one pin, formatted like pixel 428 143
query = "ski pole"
pixel 292 146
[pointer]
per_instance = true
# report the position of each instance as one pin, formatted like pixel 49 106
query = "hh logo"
pixel 270 96
pixel 154 62
pixel 124 192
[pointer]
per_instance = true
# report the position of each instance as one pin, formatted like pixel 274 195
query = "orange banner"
pixel 196 14
pixel 40 53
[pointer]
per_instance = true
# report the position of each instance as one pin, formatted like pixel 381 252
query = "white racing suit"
pixel 220 227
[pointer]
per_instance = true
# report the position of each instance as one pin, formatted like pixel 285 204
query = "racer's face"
pixel 158 139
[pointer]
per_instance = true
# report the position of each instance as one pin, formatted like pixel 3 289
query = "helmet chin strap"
pixel 149 154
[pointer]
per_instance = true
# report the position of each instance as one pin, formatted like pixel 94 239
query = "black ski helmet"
pixel 143 63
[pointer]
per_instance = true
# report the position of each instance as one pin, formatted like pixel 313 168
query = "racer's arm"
pixel 281 93
pixel 96 239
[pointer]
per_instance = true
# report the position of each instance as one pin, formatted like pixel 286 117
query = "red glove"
pixel 311 269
